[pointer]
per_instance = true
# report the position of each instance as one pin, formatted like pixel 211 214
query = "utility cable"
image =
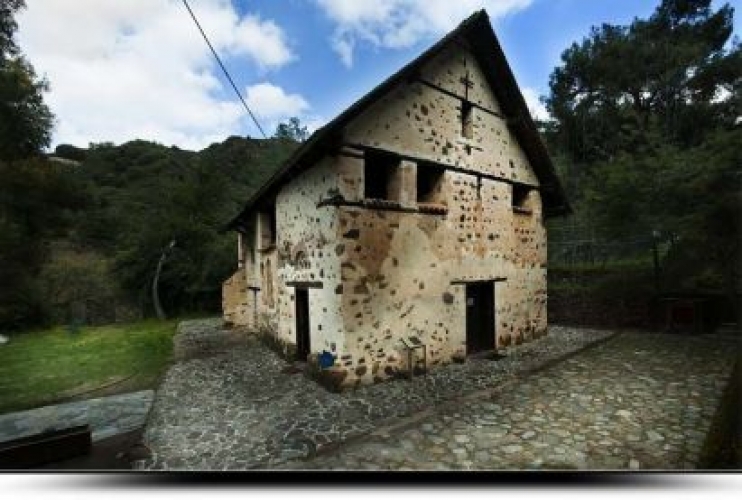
pixel 226 73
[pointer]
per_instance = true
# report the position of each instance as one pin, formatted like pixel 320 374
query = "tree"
pixel 69 152
pixel 8 27
pixel 646 130
pixel 35 196
pixel 661 73
pixel 292 130
pixel 144 195
pixel 25 120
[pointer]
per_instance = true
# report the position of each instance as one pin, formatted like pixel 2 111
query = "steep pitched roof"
pixel 483 43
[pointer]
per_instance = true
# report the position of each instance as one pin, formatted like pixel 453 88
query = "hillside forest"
pixel 645 131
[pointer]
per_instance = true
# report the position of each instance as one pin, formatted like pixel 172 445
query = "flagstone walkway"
pixel 637 400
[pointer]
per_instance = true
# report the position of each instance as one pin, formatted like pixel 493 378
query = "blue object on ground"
pixel 326 359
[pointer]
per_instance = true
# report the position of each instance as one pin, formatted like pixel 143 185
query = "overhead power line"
pixel 226 73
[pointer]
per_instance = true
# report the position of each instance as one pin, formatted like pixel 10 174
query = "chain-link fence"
pixel 598 281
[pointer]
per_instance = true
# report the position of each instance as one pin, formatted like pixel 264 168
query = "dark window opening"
pixel 520 197
pixel 381 176
pixel 429 183
pixel 467 119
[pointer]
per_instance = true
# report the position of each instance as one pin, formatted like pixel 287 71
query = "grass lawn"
pixel 50 366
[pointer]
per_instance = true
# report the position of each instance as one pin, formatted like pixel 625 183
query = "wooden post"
pixel 240 252
pixel 656 255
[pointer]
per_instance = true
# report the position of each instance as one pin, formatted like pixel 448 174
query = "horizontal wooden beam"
pixel 455 96
pixel 391 206
pixel 476 280
pixel 305 284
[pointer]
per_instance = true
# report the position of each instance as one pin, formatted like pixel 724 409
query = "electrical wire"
pixel 224 69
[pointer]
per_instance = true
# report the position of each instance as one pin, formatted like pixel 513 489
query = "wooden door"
pixel 302 323
pixel 480 317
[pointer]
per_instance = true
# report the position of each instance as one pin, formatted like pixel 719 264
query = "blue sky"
pixel 141 70
pixel 533 40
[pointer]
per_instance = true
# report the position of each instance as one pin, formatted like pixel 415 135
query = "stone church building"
pixel 417 212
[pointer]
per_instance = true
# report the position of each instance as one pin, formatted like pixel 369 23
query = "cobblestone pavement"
pixel 107 416
pixel 199 338
pixel 637 401
pixel 239 408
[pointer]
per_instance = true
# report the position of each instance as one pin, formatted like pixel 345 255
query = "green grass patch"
pixel 50 366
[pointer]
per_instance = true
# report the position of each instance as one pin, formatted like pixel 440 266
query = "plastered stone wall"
pixel 450 66
pixel 394 284
pixel 386 274
pixel 237 304
pixel 418 120
pixel 398 268
pixel 306 252
pixel 397 272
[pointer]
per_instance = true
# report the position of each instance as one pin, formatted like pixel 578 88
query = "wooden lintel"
pixel 346 150
pixel 390 206
pixel 305 284
pixel 477 280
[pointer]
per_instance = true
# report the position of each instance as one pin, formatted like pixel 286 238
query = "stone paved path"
pixel 107 416
pixel 239 409
pixel 636 401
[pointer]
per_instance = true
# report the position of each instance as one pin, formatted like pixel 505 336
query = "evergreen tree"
pixel 646 118
pixel 292 130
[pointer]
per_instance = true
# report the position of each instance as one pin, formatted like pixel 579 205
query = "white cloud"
pixel 402 23
pixel 535 106
pixel 271 102
pixel 272 105
pixel 140 69
pixel 344 48
pixel 264 41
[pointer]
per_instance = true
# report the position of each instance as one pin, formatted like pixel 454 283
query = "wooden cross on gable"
pixel 467 82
